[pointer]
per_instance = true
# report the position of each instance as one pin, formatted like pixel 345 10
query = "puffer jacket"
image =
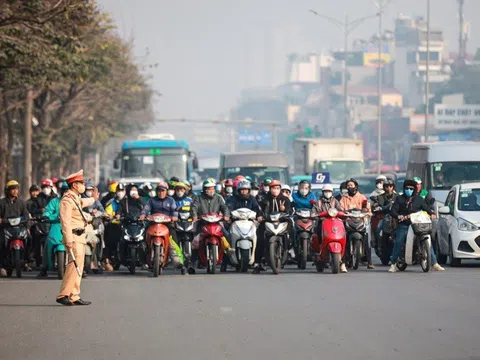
pixel 204 205
pixel 304 202
pixel 237 202
pixel 325 204
pixel 166 206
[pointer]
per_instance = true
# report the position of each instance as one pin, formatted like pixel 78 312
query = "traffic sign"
pixel 321 178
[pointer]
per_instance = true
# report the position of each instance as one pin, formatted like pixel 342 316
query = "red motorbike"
pixel 210 248
pixel 158 242
pixel 334 240
pixel 15 237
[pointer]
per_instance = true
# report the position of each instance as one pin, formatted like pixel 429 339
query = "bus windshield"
pixel 259 173
pixel 163 163
pixel 444 175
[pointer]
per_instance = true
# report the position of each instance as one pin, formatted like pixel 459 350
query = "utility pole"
pixel 461 33
pixel 27 146
pixel 381 5
pixel 427 74
pixel 347 28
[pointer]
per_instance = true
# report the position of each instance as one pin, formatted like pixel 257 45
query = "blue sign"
pixel 321 178
pixel 251 137
pixel 264 138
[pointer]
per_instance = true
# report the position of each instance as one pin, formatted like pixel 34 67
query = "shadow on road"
pixel 29 305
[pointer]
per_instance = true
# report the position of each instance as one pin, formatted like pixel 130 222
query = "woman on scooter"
pixel 302 199
pixel 132 204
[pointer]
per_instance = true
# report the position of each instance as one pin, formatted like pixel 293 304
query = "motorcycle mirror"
pixel 312 202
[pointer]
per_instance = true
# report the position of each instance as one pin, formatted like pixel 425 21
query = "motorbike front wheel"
pixel 425 252
pixel 275 253
pixel 244 259
pixel 133 261
pixel 212 259
pixel 156 261
pixel 303 257
pixel 17 256
pixel 335 262
pixel 357 254
pixel 60 264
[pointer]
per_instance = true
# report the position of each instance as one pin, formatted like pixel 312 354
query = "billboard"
pixel 371 59
pixel 451 117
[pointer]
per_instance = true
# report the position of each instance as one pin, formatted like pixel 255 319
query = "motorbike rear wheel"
pixel 357 254
pixel 244 259
pixel 133 261
pixel 156 260
pixel 18 263
pixel 60 264
pixel 275 253
pixel 335 262
pixel 303 257
pixel 426 260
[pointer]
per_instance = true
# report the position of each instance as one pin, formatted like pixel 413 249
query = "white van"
pixel 442 165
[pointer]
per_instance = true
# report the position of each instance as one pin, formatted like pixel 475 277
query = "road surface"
pixel 295 315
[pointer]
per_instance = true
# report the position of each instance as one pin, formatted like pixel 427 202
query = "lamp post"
pixel 427 74
pixel 347 28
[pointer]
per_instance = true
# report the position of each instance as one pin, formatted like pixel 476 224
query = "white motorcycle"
pixel 243 236
pixel 419 242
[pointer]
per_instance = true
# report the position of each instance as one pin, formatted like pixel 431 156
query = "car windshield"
pixel 341 170
pixel 146 165
pixel 259 173
pixel 442 176
pixel 468 200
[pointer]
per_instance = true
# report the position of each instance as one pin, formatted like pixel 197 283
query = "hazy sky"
pixel 208 50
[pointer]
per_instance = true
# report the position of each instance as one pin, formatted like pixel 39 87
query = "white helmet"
pixel 381 178
pixel 327 187
pixel 286 187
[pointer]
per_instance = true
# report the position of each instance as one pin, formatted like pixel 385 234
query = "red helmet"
pixel 275 183
pixel 229 182
pixel 47 182
pixel 239 177
pixel 54 180
pixel 162 185
pixel 235 183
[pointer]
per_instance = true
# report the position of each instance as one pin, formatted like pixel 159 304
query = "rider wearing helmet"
pixel 147 191
pixel 10 206
pixel 243 198
pixel 34 192
pixel 219 188
pixel 327 200
pixel 112 188
pixel 302 199
pixel 113 231
pixel 424 193
pixel 379 181
pixel 228 188
pixel 255 189
pixel 286 190
pixel 355 200
pixel 383 204
pixel 265 188
pixel 181 199
pixel 171 185
pixel 343 191
pixel 97 205
pixel 274 201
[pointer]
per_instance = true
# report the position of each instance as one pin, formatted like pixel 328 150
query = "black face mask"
pixel 352 191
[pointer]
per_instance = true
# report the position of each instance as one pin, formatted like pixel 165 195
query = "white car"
pixel 459 223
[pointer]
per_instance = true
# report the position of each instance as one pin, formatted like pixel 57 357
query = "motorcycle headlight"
pixel 464 225
pixel 126 237
pixel 190 227
pixel 332 212
pixel 139 238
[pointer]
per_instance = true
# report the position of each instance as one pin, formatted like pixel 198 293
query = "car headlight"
pixel 464 225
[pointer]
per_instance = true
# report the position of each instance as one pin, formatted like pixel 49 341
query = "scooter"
pixel 210 248
pixel 276 236
pixel 356 237
pixel 158 242
pixel 305 224
pixel 417 249
pixel 58 252
pixel 15 238
pixel 334 240
pixel 243 234
pixel 185 233
pixel 40 234
pixel 132 248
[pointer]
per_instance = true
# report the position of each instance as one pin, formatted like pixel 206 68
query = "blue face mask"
pixel 409 192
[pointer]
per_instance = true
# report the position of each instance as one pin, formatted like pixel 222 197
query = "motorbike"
pixel 305 224
pixel 40 231
pixel 417 249
pixel 356 236
pixel 386 241
pixel 210 248
pixel 158 242
pixel 276 236
pixel 58 253
pixel 132 248
pixel 15 238
pixel 185 233
pixel 243 233
pixel 334 241
pixel 93 249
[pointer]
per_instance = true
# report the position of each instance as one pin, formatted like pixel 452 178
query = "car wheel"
pixel 454 262
pixel 442 259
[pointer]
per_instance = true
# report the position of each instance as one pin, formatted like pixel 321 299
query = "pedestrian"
pixel 74 222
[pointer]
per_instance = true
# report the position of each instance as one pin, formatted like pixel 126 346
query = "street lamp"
pixel 427 75
pixel 381 5
pixel 347 28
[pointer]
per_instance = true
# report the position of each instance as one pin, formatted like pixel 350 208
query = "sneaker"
pixel 371 266
pixel 256 269
pixel 42 274
pixel 292 253
pixel 144 267
pixel 343 268
pixel 231 251
pixel 3 272
pixel 393 268
pixel 437 267
pixel 27 268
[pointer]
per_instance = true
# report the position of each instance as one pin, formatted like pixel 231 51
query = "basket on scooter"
pixel 422 229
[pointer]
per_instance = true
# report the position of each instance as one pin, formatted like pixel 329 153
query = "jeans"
pixel 377 239
pixel 400 240
pixel 433 256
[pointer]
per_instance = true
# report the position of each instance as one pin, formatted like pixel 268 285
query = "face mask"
pixel 229 190
pixel 266 189
pixel 254 193
pixel 380 186
pixel 89 193
pixel 327 195
pixel 409 192
pixel 275 192
pixel 47 191
pixel 133 193
pixel 352 191
pixel 170 192
pixel 303 192
pixel 210 192
pixel 344 192
pixel 80 188
pixel 120 195
pixel 152 193
pixel 180 193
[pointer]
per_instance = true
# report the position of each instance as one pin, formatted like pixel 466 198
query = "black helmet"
pixel 120 187
pixel 352 180
pixel 174 179
pixel 409 182
pixel 343 185
pixel 34 187
pixel 389 182
pixel 255 185
pixel 303 182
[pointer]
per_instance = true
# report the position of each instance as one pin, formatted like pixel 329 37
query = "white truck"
pixel 342 158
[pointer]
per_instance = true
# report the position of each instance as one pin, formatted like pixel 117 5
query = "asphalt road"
pixel 295 315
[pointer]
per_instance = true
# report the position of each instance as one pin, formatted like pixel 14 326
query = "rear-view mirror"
pixel 444 210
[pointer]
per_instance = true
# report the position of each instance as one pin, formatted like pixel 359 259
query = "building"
pixel 306 68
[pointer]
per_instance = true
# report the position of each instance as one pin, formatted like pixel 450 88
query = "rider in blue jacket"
pixel 302 199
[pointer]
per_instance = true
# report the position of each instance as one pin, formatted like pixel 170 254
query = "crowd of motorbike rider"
pixel 169 198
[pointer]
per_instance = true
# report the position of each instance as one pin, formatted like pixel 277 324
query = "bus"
pixel 152 158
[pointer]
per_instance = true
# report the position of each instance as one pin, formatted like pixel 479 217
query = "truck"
pixel 342 158
pixel 155 157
